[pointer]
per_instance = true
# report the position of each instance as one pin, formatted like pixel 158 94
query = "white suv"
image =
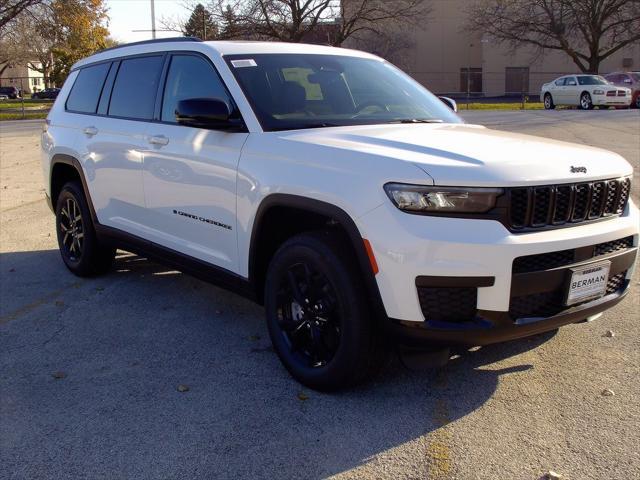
pixel 334 189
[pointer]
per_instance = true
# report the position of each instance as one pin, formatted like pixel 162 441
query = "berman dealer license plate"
pixel 588 283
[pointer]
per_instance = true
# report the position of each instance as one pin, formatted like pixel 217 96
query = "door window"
pixel 560 82
pixel 571 82
pixel 135 87
pixel 190 76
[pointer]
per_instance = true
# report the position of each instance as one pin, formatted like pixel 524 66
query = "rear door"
pixel 190 173
pixel 113 139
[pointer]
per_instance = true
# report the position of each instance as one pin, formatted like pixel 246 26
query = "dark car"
pixel 630 80
pixel 11 92
pixel 47 93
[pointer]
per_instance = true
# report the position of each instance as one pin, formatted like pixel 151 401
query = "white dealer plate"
pixel 588 282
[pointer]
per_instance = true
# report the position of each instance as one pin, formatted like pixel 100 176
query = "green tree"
pixel 77 28
pixel 201 24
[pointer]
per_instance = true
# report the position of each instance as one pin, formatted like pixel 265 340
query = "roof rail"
pixel 157 40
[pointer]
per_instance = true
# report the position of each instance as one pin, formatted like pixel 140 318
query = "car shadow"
pixel 121 344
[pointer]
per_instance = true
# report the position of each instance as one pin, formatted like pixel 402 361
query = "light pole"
pixel 153 19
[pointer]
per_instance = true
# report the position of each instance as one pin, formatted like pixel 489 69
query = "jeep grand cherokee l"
pixel 329 186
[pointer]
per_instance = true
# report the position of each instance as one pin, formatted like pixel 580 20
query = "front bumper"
pixel 479 256
pixel 601 100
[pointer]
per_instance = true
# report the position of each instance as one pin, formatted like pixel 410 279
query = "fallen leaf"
pixel 608 392
pixel 551 475
pixel 58 375
pixel 303 396
pixel 59 303
pixel 183 388
pixel 610 334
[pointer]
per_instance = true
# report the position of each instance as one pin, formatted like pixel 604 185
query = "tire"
pixel 317 313
pixel 548 102
pixel 585 101
pixel 636 104
pixel 80 249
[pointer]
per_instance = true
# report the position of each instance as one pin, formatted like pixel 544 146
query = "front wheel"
pixel 80 249
pixel 548 102
pixel 585 101
pixel 317 313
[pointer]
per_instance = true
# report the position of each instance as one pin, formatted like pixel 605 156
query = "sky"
pixel 128 15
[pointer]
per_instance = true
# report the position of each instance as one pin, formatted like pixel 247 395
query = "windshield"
pixel 592 80
pixel 293 91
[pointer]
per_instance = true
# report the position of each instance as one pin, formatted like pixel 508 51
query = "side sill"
pixel 184 263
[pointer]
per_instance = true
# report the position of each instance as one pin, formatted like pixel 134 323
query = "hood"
pixel 472 155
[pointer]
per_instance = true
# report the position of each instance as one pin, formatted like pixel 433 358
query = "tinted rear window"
pixel 86 90
pixel 134 91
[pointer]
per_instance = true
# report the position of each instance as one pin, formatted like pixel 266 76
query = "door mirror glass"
pixel 204 113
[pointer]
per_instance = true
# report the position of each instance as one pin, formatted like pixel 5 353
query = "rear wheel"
pixel 317 313
pixel 548 102
pixel 79 247
pixel 637 102
pixel 585 101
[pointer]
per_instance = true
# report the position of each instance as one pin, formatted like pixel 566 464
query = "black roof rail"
pixel 157 40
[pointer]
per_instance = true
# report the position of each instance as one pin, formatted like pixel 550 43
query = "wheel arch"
pixel 66 168
pixel 261 251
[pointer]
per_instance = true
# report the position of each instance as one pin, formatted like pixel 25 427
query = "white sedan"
pixel 584 91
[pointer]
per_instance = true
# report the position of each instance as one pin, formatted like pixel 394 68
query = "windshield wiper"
pixel 417 120
pixel 306 125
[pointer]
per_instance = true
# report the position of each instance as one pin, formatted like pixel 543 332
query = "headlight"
pixel 416 198
pixel 598 92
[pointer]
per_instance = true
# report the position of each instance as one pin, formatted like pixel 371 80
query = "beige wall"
pixel 444 47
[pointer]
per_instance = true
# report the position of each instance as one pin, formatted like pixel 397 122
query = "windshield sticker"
pixel 249 62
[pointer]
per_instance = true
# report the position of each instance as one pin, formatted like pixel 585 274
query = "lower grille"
pixel 548 304
pixel 546 261
pixel 448 304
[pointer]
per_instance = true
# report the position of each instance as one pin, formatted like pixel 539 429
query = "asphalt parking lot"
pixel 89 370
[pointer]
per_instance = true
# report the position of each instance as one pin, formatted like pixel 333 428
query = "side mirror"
pixel 449 102
pixel 210 113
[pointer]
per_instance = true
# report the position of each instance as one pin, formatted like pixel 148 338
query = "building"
pixel 23 77
pixel 448 59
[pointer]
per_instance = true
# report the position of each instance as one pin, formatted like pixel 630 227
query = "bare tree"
pixel 329 21
pixel 371 18
pixel 588 31
pixel 10 9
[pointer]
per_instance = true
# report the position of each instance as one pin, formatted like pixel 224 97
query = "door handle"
pixel 158 140
pixel 90 131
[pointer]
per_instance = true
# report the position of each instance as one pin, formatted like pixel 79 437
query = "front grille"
pixel 548 304
pixel 546 261
pixel 553 205
pixel 611 93
pixel 622 93
pixel 448 304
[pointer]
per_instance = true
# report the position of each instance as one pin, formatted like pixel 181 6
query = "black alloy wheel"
pixel 79 246
pixel 317 313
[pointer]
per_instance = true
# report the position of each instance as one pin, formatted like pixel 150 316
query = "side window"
pixel 85 92
pixel 190 76
pixel 560 83
pixel 571 81
pixel 134 90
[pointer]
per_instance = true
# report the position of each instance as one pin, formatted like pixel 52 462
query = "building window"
pixel 36 81
pixel 471 80
pixel 516 81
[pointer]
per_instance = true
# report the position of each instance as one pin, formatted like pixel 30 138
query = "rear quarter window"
pixel 86 90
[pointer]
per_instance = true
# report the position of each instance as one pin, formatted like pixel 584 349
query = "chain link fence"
pixel 20 105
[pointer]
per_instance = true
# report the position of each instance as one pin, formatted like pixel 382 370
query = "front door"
pixel 189 173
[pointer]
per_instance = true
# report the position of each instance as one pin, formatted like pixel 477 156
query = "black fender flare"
pixel 329 210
